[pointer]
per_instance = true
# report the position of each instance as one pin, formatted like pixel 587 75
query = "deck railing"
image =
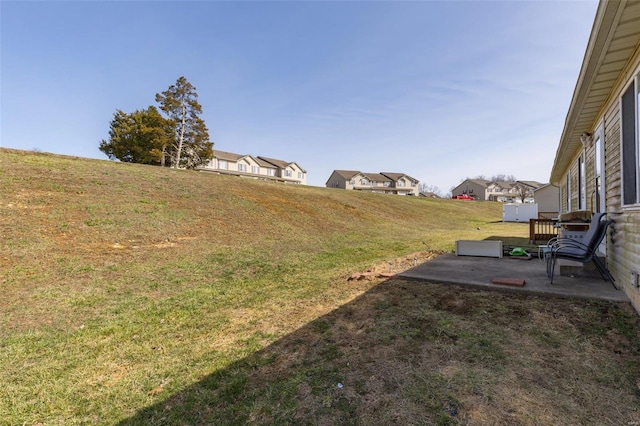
pixel 542 230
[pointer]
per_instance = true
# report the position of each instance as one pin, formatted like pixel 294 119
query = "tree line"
pixel 178 139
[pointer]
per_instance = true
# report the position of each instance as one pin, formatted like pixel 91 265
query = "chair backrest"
pixel 599 234
pixel 596 222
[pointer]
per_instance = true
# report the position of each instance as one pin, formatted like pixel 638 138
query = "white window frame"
pixel 599 168
pixel 223 164
pixel 242 167
pixel 582 187
pixel 568 190
pixel 635 85
pixel 255 169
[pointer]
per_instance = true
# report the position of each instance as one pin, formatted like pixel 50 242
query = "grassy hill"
pixel 91 235
pixel 142 293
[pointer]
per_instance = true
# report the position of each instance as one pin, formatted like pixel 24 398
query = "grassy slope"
pixel 125 284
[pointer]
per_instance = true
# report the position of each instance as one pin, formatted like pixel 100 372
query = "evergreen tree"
pixel 190 147
pixel 139 137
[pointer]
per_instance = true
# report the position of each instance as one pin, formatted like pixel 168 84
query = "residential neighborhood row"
pixel 257 167
pixel 395 183
pixel 381 183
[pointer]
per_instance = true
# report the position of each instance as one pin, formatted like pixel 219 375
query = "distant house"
pixel 476 188
pixel 597 163
pixel 429 194
pixel 382 183
pixel 256 167
pixel 487 190
pixel 547 197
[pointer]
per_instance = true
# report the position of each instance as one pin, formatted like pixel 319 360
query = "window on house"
pixel 400 184
pixel 299 175
pixel 287 173
pixel 568 191
pixel 352 182
pixel 630 149
pixel 242 167
pixel 223 164
pixel 597 169
pixel 387 184
pixel 255 169
pixel 271 172
pixel 364 182
pixel 581 184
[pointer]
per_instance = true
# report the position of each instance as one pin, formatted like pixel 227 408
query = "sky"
pixel 438 90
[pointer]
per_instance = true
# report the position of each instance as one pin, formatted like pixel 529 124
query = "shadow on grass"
pixel 358 364
pixel 409 352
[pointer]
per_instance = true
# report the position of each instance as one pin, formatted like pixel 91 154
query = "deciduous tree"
pixel 191 146
pixel 523 191
pixel 430 189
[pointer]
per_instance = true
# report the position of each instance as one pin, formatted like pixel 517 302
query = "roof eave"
pixel 607 14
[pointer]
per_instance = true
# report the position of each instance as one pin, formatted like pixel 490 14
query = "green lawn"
pixel 144 295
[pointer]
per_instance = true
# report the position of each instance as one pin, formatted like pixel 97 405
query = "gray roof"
pixel 395 176
pixel 347 174
pixel 280 163
pixel 266 162
pixel 223 155
pixel 613 41
pixel 532 183
pixel 377 177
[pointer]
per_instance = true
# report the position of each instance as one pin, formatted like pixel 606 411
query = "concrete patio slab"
pixel 483 271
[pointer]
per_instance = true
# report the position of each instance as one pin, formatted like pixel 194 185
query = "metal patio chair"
pixel 583 252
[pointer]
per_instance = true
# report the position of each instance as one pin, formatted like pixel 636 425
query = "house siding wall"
pixel 478 190
pixel 623 240
pixel 547 199
pixel 574 185
pixel 623 245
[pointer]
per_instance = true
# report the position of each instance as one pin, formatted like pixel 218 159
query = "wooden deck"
pixel 542 230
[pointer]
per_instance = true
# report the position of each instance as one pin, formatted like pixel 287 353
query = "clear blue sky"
pixel 437 90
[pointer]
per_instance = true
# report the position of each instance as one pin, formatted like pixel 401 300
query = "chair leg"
pixel 547 261
pixel 551 267
pixel 604 272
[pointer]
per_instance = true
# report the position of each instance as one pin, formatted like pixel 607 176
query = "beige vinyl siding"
pixel 590 176
pixel 574 185
pixel 611 62
pixel 547 200
pixel 623 245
